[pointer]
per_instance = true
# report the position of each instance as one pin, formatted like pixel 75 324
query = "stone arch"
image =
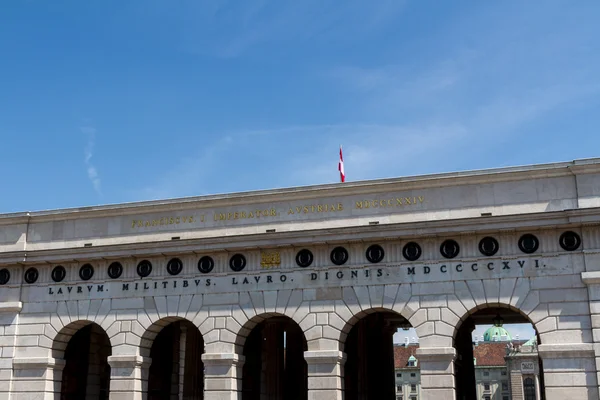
pixel 147 339
pixel 251 323
pixel 174 347
pixel 498 313
pixel 273 346
pixel 494 306
pixel 64 335
pixel 85 347
pixel 367 341
pixel 353 319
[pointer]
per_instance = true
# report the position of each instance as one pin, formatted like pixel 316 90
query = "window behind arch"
pixel 529 389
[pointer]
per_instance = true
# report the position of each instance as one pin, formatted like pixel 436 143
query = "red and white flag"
pixel 341 167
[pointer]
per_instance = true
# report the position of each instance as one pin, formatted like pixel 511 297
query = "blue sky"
pixel 117 101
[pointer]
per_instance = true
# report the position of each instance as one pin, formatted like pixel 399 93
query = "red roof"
pixel 401 355
pixel 490 354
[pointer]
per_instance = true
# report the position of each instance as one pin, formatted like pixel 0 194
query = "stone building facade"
pixel 296 293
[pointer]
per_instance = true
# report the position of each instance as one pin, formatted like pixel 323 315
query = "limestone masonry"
pixel 296 293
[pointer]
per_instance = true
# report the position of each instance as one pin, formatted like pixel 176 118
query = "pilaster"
pixel 569 371
pixel 128 377
pixel 222 376
pixel 37 378
pixel 325 374
pixel 592 280
pixel 437 372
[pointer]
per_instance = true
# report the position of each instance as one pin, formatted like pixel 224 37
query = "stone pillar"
pixel 9 320
pixel 569 371
pixel 182 350
pixel 592 280
pixel 222 376
pixel 437 373
pixel 40 376
pixel 386 365
pixel 464 368
pixel 193 376
pixel 128 377
pixel 325 374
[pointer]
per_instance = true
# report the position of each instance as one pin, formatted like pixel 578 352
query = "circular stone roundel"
pixel 375 253
pixel 206 264
pixel 86 272
pixel 528 243
pixel 304 258
pixel 488 246
pixel 115 270
pixel 144 268
pixel 449 248
pixel 412 251
pixel 4 276
pixel 237 262
pixel 31 275
pixel 174 266
pixel 339 255
pixel 570 241
pixel 58 273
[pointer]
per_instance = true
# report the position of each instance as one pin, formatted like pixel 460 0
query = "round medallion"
pixel 570 241
pixel 144 268
pixel 86 272
pixel 237 262
pixel 412 251
pixel 488 246
pixel 449 248
pixel 31 275
pixel 528 243
pixel 206 264
pixel 339 255
pixel 174 266
pixel 58 273
pixel 375 253
pixel 304 258
pixel 4 276
pixel 115 270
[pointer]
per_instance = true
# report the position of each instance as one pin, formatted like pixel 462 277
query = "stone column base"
pixel 128 377
pixel 569 371
pixel 37 378
pixel 222 376
pixel 437 372
pixel 325 374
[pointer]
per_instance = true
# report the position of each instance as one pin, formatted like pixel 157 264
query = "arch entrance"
pixel 369 371
pixel 86 374
pixel 497 356
pixel 176 370
pixel 274 367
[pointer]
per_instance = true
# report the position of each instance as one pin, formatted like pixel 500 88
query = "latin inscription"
pixel 276 213
pixel 233 282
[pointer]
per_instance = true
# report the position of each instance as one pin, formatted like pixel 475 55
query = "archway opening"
pixel 86 374
pixel 379 364
pixel 274 367
pixel 177 370
pixel 497 357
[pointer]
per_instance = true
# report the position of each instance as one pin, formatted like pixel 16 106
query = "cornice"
pixel 325 190
pixel 331 236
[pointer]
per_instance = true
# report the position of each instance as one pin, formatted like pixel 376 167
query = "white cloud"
pixel 92 172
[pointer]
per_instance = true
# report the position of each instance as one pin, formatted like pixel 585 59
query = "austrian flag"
pixel 341 167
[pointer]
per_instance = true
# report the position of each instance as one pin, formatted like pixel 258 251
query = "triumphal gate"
pixel 296 293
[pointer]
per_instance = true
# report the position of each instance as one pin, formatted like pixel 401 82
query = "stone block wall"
pixel 556 305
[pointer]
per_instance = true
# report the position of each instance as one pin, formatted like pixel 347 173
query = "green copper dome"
pixel 496 334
